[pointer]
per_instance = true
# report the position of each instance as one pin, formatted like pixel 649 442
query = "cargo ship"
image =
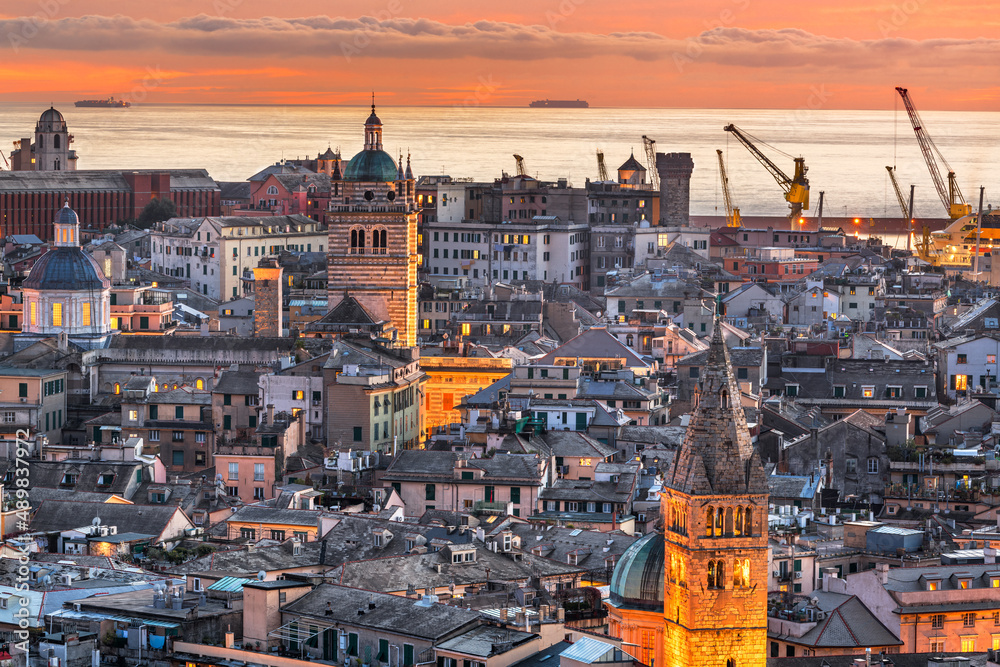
pixel 110 103
pixel 559 104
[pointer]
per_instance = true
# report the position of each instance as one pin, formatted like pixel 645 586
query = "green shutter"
pixel 383 650
pixel 515 494
pixel 407 655
pixel 581 421
pixel 352 644
pixel 227 422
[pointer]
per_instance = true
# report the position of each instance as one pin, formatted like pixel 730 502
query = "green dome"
pixel 372 166
pixel 637 581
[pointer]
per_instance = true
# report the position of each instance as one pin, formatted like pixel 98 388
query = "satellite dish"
pixel 218 477
pixel 261 575
pixel 96 521
pixel 597 314
pixel 46 580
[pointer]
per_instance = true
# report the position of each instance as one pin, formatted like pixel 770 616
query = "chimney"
pixel 270 413
pixel 503 614
pixel 989 555
pixel 882 571
pixel 829 573
pixel 561 615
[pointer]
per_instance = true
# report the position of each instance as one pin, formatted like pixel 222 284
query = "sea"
pixel 846 151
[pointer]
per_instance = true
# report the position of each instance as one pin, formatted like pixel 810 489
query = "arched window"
pixel 711 574
pixel 748 521
pixel 729 521
pixel 272 190
pixel 720 574
pixel 738 522
pixel 41 141
pixel 731 662
pixel 719 519
pixel 709 521
pixel 55 141
pixel 118 388
pixel 199 384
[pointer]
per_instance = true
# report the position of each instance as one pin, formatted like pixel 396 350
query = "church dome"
pixel 637 581
pixel 66 268
pixel 371 166
pixel 51 121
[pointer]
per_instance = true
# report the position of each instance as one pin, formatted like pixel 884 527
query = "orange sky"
pixel 645 53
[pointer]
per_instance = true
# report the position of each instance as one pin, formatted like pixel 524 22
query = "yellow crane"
pixel 650 146
pixel 733 218
pixel 602 169
pixel 520 165
pixel 950 196
pixel 796 187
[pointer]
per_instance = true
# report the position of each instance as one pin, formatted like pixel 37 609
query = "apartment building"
pixel 217 255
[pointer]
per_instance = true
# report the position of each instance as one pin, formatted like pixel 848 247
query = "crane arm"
pixel 650 147
pixel 781 177
pixel 602 169
pixel 732 214
pixel 949 194
pixel 899 195
pixel 520 165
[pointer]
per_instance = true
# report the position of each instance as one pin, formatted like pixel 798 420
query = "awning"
pixel 301 632
pixel 229 584
pixel 95 616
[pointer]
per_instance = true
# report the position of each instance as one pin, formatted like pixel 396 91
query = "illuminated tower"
pixel 372 249
pixel 714 508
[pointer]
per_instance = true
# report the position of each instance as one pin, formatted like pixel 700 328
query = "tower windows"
pixel 86 314
pixel 709 521
pixel 741 573
pixel 357 241
pixel 719 518
pixel 57 314
pixel 716 574
pixel 55 141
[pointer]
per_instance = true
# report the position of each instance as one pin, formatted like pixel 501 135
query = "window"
pixel 963 359
pixel 357 434
pixel 991 358
pixel 969 621
pixel 57 315
pixel 178 412
pixel 792 390
pixel 154 436
pixel 258 472
pixel 234 471
pixel 199 436
pixel 133 415
pixel 177 458
pixel 868 391
pixel 258 493
pixel 246 533
pixel 969 644
pixel 430 491
pixel 838 391
pixel 278 535
pixel 86 314
pixel 960 382
pixel 920 392
pixel 937 644
pixel 298 395
pixel 937 621
pixel 851 466
pixel 178 436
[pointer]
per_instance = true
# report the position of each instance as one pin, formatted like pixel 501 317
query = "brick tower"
pixel 675 187
pixel 714 508
pixel 372 248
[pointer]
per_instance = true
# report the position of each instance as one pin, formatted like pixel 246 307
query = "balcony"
pixel 918 491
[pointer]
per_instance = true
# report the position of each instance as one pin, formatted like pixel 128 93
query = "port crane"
pixel 950 196
pixel 602 169
pixel 907 209
pixel 733 218
pixel 796 188
pixel 650 146
pixel 521 171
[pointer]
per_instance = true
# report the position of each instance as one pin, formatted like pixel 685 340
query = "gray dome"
pixel 67 216
pixel 371 166
pixel 637 581
pixel 66 268
pixel 51 121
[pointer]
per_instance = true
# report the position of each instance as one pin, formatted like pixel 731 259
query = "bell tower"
pixel 714 507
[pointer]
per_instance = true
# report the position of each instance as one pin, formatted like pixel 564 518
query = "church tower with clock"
pixel 372 247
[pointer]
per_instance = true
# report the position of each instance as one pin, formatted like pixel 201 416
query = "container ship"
pixel 110 102
pixel 559 104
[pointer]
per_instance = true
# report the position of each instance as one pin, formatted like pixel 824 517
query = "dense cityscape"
pixel 345 413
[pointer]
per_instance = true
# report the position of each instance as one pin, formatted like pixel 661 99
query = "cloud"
pixel 325 37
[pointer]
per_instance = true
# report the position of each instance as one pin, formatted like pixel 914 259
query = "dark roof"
pixel 50 474
pixel 59 515
pixel 391 613
pixel 420 464
pixel 849 624
pixel 235 190
pixel 264 514
pixel 631 164
pixel 595 343
pixel 237 382
pixel 349 311
pixel 738 356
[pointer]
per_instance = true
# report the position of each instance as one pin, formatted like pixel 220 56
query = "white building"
pixel 967 363
pixel 216 255
pixel 293 394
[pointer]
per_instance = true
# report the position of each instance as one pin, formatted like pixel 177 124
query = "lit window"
pixel 34 313
pixel 991 358
pixel 868 392
pixel 114 322
pixel 133 415
pixel 118 388
pixel 86 314
pixel 586 463
pixel 961 382
pixel 57 314
pixel 199 384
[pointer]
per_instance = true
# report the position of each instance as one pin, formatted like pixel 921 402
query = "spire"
pixel 373 130
pixel 399 166
pixel 409 171
pixel 717 456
